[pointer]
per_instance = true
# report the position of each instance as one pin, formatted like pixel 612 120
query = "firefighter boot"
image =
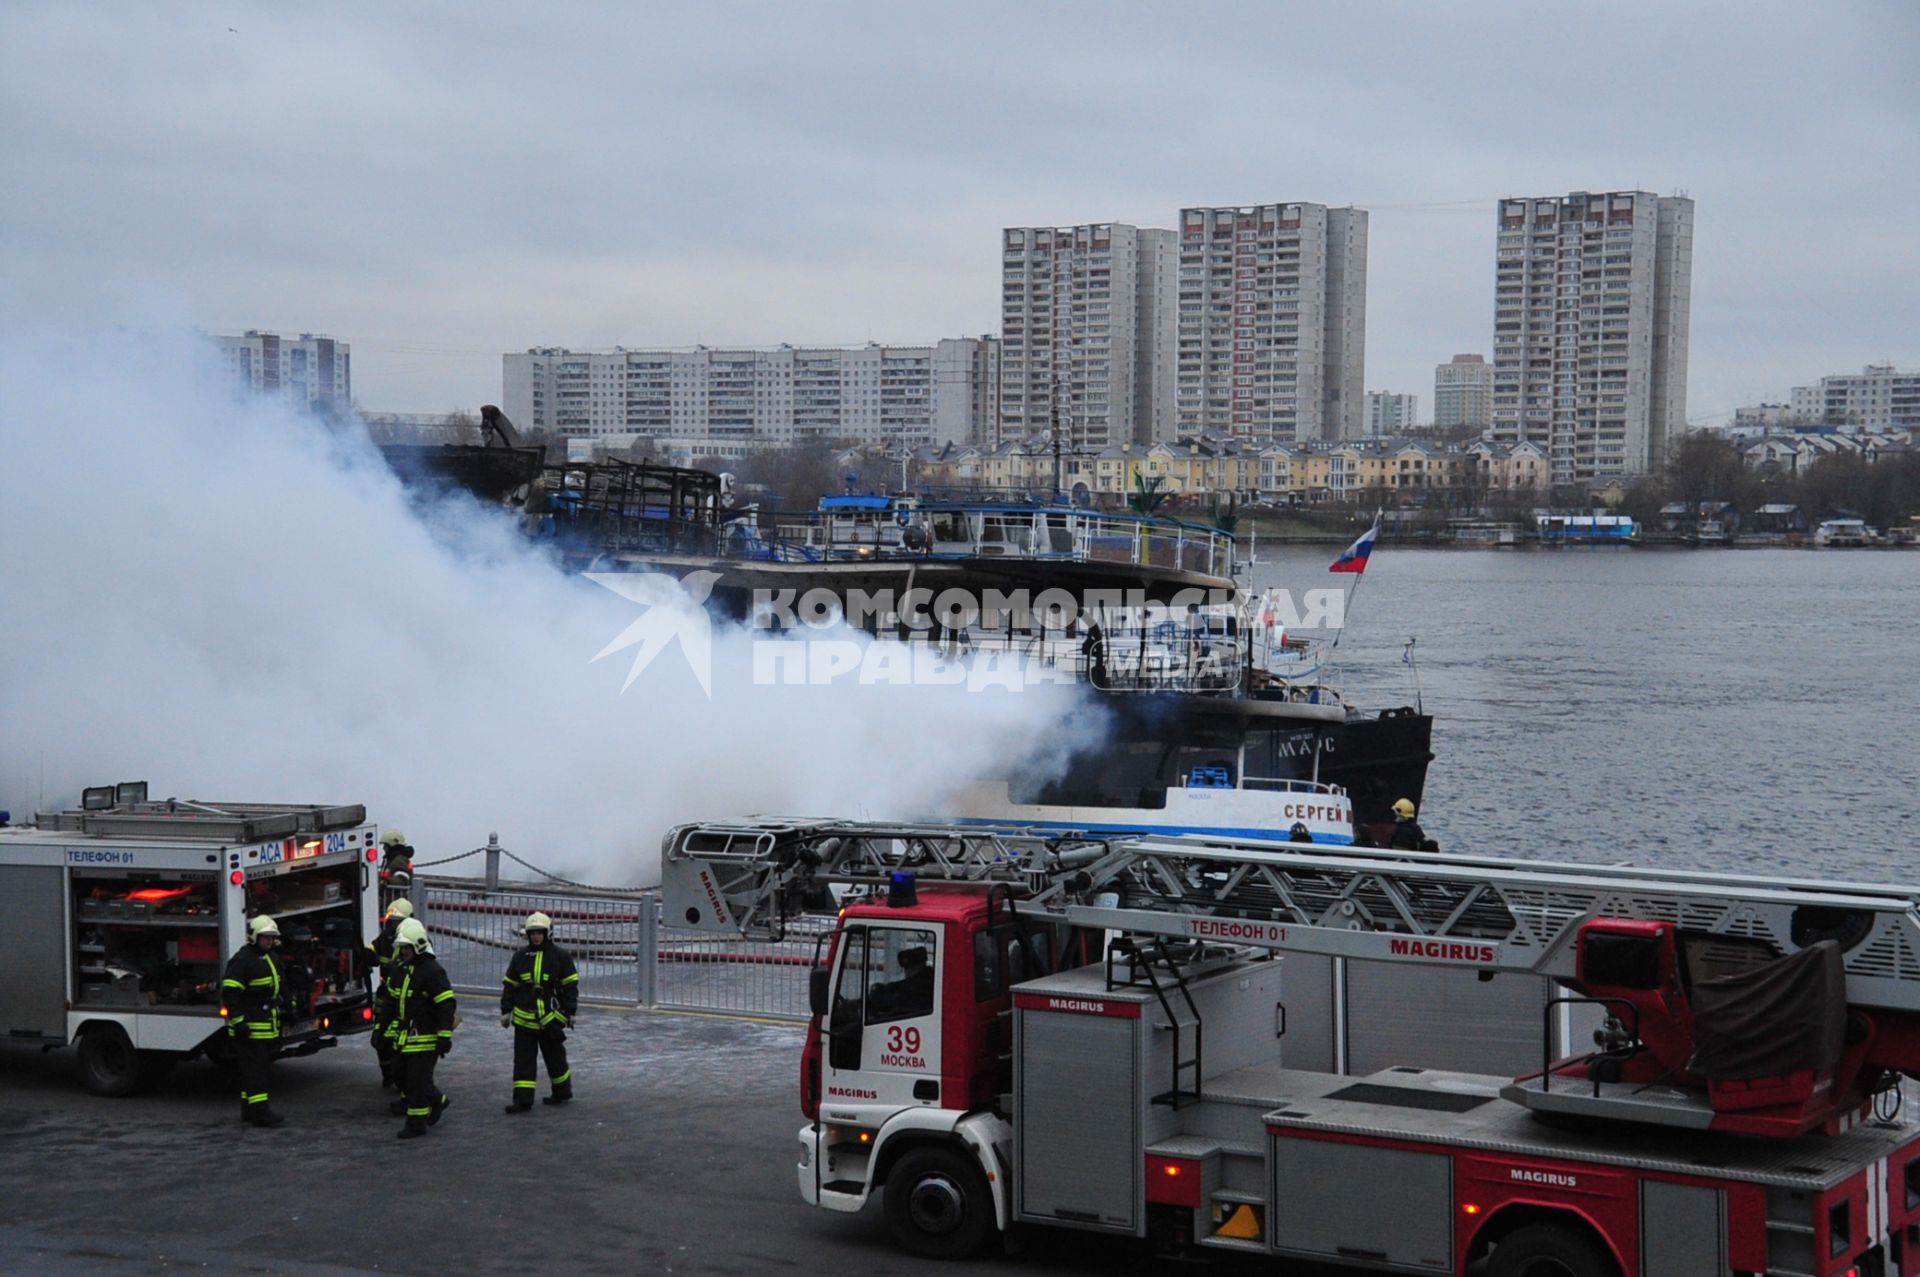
pixel 267 1117
pixel 413 1130
pixel 439 1107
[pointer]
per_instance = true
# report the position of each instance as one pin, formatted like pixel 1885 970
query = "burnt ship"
pixel 1202 696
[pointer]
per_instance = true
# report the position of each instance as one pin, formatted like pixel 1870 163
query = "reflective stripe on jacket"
pixel 541 985
pixel 424 1006
pixel 250 991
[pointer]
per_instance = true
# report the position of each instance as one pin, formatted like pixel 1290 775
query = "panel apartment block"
pixel 907 396
pixel 315 370
pixel 1463 392
pixel 1087 316
pixel 1272 322
pixel 1592 298
pixel 1878 397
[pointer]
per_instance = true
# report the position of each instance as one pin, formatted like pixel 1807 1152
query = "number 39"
pixel 899 1039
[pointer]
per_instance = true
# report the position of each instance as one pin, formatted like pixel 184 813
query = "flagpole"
pixel 1358 577
pixel 1347 610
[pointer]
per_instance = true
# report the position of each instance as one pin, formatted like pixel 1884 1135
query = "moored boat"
pixel 1209 799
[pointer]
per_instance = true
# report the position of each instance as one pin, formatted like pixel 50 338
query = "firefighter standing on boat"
pixel 250 995
pixel 1407 834
pixel 538 999
pixel 424 1016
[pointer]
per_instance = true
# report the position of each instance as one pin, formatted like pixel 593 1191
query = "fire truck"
pixel 1094 1033
pixel 120 917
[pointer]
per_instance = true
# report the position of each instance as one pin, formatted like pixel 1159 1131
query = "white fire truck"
pixel 977 1062
pixel 120 917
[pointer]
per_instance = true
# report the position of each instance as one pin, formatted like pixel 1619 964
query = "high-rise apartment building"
pixel 984 388
pixel 1463 392
pixel 1086 332
pixel 911 396
pixel 1592 295
pixel 1878 397
pixel 1391 414
pixel 313 370
pixel 1272 322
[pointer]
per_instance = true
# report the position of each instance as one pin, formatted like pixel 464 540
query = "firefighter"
pixel 424 1018
pixel 538 999
pixel 1407 834
pixel 396 867
pixel 251 994
pixel 385 1049
pixel 908 997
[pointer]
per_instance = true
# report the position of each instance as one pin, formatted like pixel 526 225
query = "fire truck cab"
pixel 909 1056
pixel 122 914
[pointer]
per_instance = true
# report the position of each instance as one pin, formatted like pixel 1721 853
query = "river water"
pixel 1753 710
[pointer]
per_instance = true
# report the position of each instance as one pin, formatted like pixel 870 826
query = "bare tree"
pixel 458 426
pixel 797 476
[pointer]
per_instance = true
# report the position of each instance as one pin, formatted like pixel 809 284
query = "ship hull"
pixel 1154 741
pixel 1378 760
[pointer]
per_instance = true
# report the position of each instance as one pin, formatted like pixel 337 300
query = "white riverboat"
pixel 1212 800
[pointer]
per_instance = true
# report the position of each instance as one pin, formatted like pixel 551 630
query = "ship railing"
pixel 1045 534
pixel 1160 671
pixel 1180 664
pixel 1287 785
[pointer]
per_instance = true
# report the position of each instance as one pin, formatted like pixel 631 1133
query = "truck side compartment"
pixel 126 913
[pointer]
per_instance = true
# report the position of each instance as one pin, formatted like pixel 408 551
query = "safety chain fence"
pixel 627 954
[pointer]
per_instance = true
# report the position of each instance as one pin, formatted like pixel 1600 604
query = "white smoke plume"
pixel 232 601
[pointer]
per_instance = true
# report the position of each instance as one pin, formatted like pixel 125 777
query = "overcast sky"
pixel 439 184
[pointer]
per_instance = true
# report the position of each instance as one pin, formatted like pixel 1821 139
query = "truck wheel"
pixel 937 1204
pixel 108 1063
pixel 1548 1250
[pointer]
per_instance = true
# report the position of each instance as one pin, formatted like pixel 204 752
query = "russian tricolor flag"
pixel 1355 559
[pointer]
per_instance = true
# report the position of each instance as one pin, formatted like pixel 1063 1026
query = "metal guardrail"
pixel 702 971
pixel 475 932
pixel 626 953
pixel 1049 533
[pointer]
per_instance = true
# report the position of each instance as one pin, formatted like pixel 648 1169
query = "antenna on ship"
pixel 1054 432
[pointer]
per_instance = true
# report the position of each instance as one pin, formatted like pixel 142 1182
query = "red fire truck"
pixel 1093 1033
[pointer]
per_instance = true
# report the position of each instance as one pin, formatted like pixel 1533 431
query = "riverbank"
pixel 1441 541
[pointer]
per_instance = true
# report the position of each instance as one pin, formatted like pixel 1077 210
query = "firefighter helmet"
pixel 393 838
pixel 537 922
pixel 261 925
pixel 401 908
pixel 1403 809
pixel 413 933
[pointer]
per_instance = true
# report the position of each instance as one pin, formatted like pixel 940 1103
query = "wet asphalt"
pixel 677 1157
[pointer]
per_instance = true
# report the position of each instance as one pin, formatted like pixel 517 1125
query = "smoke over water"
pixel 232 601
